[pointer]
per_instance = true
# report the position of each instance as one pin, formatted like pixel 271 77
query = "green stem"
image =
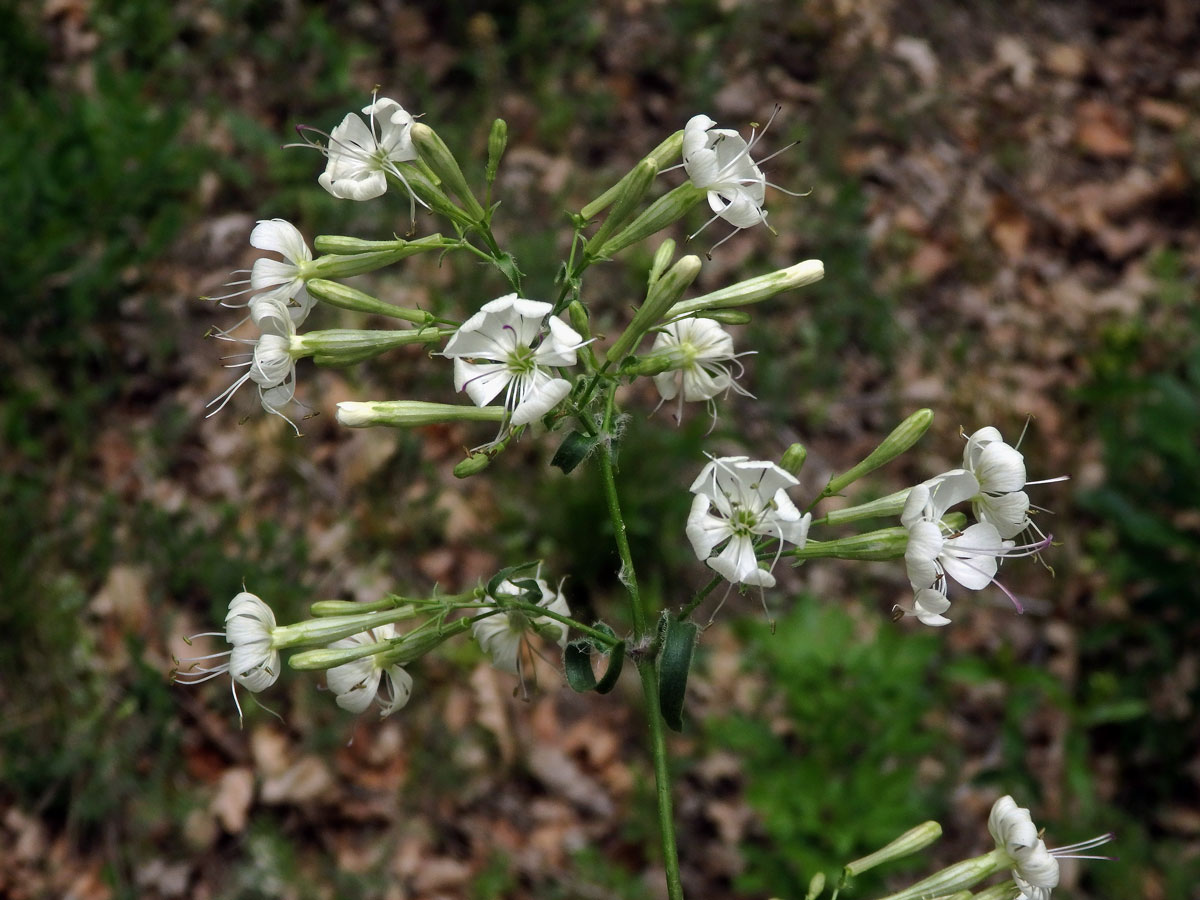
pixel 647 670
pixel 662 778
pixel 701 596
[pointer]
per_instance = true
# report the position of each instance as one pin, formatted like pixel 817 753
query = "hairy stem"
pixel 647 669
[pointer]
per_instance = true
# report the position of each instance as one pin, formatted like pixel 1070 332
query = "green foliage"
pixel 844 699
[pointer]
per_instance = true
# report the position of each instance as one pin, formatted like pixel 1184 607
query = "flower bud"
pixel 633 190
pixel 793 459
pixel 427 187
pixel 662 258
pixel 816 884
pixel 662 155
pixel 412 413
pixel 953 878
pixel 663 293
pixel 902 437
pixel 891 505
pixel 667 209
pixel 907 844
pixel 497 141
pixel 343 245
pixel 753 290
pixel 327 658
pixel 332 628
pixel 322 608
pixel 578 316
pixel 438 157
pixel 883 544
pixel 346 346
pixel 472 465
pixel 725 316
pixel 1005 890
pixel 345 297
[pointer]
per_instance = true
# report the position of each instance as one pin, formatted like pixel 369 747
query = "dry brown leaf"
pixel 231 803
pixel 1101 130
pixel 1066 60
pixel 1009 227
pixel 309 779
pixel 930 261
pixel 491 704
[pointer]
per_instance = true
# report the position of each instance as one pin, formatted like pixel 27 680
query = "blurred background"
pixel 1004 195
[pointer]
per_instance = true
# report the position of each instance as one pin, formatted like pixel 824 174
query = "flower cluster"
pixel 991 480
pixel 279 304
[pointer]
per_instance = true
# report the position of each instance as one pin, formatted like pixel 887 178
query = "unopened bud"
pixel 344 265
pixel 578 315
pixel 663 293
pixel 725 316
pixel 472 465
pixel 793 459
pixel 662 155
pixel 667 209
pixel 883 544
pixel 348 607
pixel 901 439
pixel 891 505
pixel 332 628
pixel 345 297
pixel 412 413
pixel 497 141
pixel 907 844
pixel 753 290
pixel 344 245
pixel 662 258
pixel 816 884
pixel 954 878
pixel 346 346
pixel 438 157
pixel 632 191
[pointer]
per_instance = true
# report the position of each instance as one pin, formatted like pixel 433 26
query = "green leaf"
pixel 573 450
pixel 679 643
pixel 577 659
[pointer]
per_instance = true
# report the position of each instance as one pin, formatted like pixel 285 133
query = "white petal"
pixel 498 639
pixel 481 381
pixel 737 563
pixel 282 237
pixel 1000 469
pixel 400 685
pixel 705 531
pixel 544 396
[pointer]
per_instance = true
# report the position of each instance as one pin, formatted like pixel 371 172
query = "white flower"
pixel 283 280
pixel 738 500
pixel 1000 469
pixel 968 557
pixel 271 364
pixel 361 156
pixel 502 634
pixel 356 683
pixel 504 347
pixel 253 660
pixel 249 627
pixel 701 352
pixel 717 160
pixel 273 280
pixel 1034 867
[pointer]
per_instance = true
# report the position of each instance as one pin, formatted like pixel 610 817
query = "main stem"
pixel 647 671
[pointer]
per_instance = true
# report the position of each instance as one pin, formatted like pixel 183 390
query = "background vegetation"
pixel 1004 197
